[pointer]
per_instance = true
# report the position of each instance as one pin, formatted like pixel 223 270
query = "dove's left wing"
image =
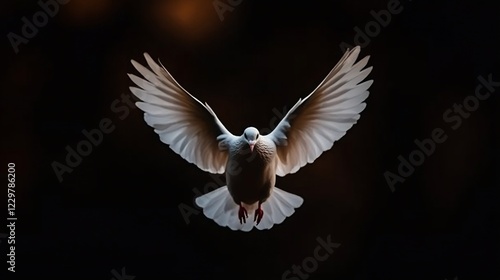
pixel 317 121
pixel 188 126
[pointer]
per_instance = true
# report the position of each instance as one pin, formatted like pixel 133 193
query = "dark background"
pixel 120 206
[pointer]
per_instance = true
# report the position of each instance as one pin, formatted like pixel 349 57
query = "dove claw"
pixel 259 213
pixel 242 214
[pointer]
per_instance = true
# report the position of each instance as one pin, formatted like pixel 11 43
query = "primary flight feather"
pixel 251 161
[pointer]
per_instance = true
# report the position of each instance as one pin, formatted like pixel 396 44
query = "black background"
pixel 120 206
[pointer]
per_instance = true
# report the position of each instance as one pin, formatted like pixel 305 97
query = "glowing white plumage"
pixel 252 161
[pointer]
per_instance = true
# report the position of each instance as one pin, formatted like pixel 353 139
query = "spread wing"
pixel 314 123
pixel 189 127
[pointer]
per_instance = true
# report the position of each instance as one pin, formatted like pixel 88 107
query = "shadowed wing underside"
pixel 314 123
pixel 189 127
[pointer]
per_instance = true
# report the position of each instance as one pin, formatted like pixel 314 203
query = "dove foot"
pixel 242 214
pixel 259 213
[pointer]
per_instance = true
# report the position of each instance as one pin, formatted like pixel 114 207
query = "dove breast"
pixel 250 175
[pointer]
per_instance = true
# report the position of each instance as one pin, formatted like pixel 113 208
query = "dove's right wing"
pixel 317 121
pixel 188 126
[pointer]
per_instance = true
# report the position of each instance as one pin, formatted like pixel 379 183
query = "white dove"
pixel 251 161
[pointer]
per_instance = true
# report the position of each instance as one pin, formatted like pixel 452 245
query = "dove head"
pixel 251 135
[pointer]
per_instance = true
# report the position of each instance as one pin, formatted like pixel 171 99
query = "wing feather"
pixel 314 123
pixel 189 127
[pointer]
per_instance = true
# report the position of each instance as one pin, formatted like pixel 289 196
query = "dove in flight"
pixel 251 161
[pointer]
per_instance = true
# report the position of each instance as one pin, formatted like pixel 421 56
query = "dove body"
pixel 251 172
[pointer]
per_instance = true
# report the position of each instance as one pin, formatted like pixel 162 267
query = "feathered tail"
pixel 219 206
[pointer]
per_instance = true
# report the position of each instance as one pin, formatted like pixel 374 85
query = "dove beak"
pixel 252 145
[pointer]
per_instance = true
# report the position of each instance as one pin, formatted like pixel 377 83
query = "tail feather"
pixel 219 206
pixel 278 207
pixel 292 200
pixel 211 202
